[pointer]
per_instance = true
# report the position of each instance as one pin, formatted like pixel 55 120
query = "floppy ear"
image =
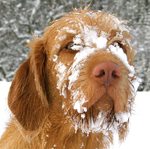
pixel 28 95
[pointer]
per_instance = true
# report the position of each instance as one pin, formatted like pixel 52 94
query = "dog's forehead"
pixel 75 21
pixel 102 20
pixel 63 30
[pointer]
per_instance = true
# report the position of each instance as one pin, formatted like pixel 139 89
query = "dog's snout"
pixel 106 72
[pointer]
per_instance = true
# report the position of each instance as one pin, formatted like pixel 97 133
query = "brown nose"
pixel 106 72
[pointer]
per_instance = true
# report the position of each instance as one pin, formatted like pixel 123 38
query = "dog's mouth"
pixel 101 114
pixel 100 118
pixel 105 103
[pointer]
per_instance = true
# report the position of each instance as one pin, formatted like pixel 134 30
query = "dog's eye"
pixel 69 46
pixel 74 47
pixel 121 46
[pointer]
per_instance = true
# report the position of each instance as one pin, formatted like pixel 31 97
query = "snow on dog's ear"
pixel 29 90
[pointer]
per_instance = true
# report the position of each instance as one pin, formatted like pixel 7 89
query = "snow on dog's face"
pixel 84 47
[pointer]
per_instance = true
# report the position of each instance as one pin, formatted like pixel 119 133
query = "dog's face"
pixel 89 66
pixel 93 70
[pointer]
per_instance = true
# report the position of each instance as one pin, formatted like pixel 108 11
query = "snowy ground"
pixel 138 137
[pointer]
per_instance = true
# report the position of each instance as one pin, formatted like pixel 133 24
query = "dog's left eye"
pixel 69 46
pixel 73 46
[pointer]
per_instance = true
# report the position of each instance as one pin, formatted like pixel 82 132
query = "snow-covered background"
pixel 138 137
pixel 4 110
pixel 21 19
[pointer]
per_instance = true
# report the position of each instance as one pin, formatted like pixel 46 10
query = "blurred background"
pixel 20 20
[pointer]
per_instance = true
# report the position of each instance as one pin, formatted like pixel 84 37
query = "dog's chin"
pixel 93 121
pixel 104 103
pixel 99 118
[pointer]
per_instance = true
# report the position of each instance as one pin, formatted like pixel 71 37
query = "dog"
pixel 76 89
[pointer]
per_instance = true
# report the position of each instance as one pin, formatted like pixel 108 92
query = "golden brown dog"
pixel 76 89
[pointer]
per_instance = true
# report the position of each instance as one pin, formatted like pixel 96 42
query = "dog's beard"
pixel 99 117
pixel 103 122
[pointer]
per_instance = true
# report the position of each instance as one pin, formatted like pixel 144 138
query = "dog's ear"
pixel 28 95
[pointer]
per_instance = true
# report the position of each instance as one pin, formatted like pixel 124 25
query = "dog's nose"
pixel 106 72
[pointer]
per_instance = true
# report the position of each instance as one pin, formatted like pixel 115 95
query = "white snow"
pixel 61 73
pixel 93 126
pixel 63 37
pixel 89 38
pixel 122 117
pixel 88 42
pixel 138 136
pixel 136 82
pixel 101 42
pixel 4 111
pixel 118 51
pixel 78 105
pixel 68 30
pixel 55 58
pixel 57 46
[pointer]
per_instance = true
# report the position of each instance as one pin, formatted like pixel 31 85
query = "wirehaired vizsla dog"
pixel 76 89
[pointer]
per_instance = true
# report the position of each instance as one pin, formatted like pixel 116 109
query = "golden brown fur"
pixel 38 120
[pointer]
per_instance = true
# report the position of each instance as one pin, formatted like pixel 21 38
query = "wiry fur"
pixel 39 121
